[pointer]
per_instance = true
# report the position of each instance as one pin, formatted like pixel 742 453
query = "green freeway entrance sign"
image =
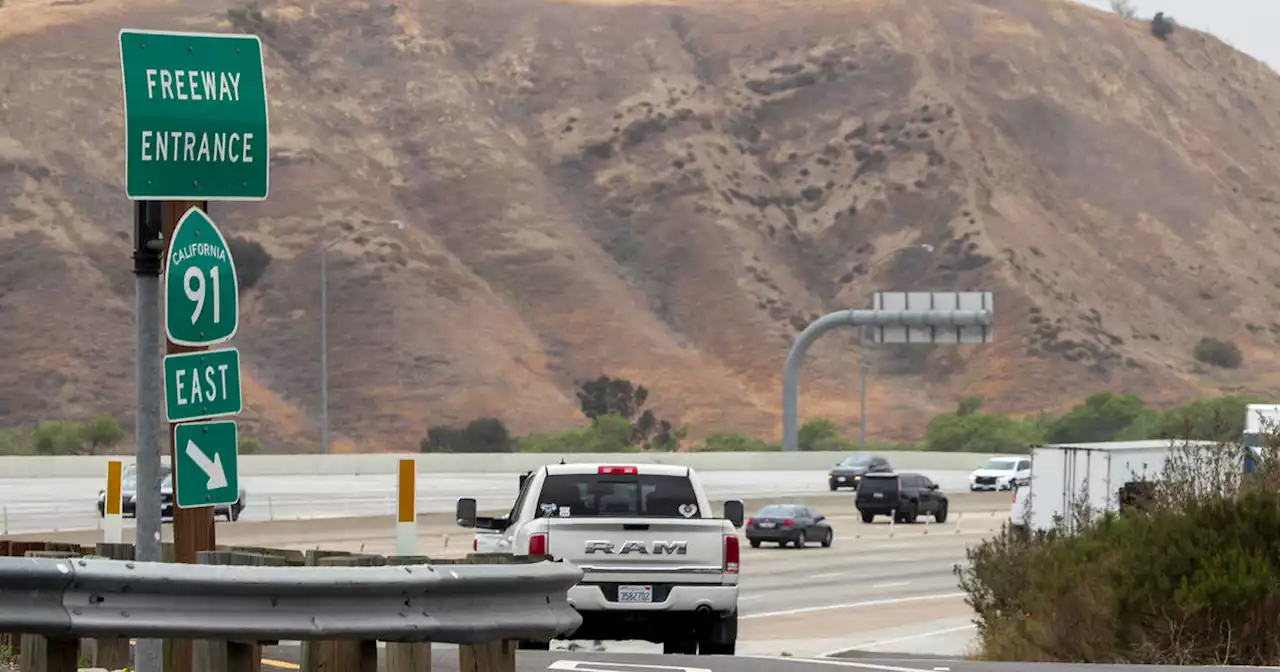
pixel 205 464
pixel 199 385
pixel 195 116
pixel 201 303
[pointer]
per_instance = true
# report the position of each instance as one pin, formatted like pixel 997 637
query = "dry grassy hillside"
pixel 665 192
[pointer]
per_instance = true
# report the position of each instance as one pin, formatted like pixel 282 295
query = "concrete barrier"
pixel 93 466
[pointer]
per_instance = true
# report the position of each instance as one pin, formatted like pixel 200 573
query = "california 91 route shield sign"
pixel 200 288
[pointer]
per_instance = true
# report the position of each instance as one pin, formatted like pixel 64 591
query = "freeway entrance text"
pixel 195 116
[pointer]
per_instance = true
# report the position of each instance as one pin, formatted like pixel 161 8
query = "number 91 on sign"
pixel 201 299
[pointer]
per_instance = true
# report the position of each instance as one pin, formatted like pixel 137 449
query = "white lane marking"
pixel 827 575
pixel 839 663
pixel 891 584
pixel 853 605
pixel 748 598
pixel 575 666
pixel 895 640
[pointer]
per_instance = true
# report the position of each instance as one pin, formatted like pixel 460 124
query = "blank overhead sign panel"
pixel 934 301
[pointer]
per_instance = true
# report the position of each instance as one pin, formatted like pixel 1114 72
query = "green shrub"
pixel 1193 578
pixel 1217 352
pixel 734 443
pixel 971 430
pixel 609 433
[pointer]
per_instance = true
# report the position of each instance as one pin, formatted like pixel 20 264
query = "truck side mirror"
pixel 733 512
pixel 466 512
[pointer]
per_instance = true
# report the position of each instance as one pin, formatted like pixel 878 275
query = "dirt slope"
pixel 664 192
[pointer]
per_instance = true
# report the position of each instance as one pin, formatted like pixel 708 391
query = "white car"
pixel 1001 473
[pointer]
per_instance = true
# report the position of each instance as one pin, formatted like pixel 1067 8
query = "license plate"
pixel 635 593
pixel 766 526
pixel 878 495
pixel 840 478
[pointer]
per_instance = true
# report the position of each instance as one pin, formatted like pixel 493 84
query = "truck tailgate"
pixel 653 545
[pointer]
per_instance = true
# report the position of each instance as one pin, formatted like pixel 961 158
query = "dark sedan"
pixel 849 471
pixel 788 524
pixel 129 493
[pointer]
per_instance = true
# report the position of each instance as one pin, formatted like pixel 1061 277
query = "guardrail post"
pixel 344 655
pixel 408 656
pixel 495 656
pixel 111 653
pixel 211 655
pixel 46 654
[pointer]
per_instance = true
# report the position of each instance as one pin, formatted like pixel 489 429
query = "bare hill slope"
pixel 665 192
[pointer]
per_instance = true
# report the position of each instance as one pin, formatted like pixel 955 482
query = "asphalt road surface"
pixel 869 591
pixel 55 504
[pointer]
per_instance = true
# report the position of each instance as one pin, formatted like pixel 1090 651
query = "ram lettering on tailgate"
pixel 639 548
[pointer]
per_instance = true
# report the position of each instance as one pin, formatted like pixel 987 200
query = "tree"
pixel 618 396
pixel 610 433
pixel 248 447
pixel 1102 417
pixel 101 432
pixel 1219 353
pixel 734 443
pixel 1124 8
pixel 606 395
pixel 251 261
pixel 482 435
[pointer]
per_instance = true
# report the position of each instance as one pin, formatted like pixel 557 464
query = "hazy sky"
pixel 1248 25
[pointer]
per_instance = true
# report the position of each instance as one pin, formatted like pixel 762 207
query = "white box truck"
pixel 1065 475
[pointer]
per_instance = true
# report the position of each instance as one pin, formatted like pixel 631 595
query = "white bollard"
pixel 6 519
pixel 959 516
pixel 893 520
pixel 271 509
pixel 112 520
pixel 406 510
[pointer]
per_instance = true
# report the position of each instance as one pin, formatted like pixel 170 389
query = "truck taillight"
pixel 618 470
pixel 730 554
pixel 475 544
pixel 538 544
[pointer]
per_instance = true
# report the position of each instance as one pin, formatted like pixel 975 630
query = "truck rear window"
pixel 613 495
pixel 879 485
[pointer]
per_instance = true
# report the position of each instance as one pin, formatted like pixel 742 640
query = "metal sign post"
pixel 944 322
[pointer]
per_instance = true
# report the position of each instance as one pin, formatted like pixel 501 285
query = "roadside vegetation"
pixel 1187 575
pixel 619 420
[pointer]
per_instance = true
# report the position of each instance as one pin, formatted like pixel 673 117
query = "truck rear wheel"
pixel 687 648
pixel 721 639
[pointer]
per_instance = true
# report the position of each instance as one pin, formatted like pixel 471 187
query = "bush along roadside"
pixel 1189 577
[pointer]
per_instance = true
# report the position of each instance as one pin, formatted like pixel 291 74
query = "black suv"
pixel 906 495
pixel 849 471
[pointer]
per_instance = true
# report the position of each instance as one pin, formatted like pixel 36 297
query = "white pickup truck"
pixel 657 564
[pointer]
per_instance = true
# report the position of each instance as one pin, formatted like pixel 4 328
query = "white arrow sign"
pixel 211 468
pixel 594 666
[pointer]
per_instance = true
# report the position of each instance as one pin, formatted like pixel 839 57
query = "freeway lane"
pixel 37 505
pixel 445 659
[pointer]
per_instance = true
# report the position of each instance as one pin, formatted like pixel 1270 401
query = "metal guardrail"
pixel 447 603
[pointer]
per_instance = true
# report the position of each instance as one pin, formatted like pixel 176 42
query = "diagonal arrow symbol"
pixel 211 468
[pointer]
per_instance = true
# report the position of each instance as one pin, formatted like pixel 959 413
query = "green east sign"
pixel 195 116
pixel 199 385
pixel 205 464
pixel 201 301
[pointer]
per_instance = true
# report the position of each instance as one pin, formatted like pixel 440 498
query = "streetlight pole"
pixel 324 329
pixel 862 351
